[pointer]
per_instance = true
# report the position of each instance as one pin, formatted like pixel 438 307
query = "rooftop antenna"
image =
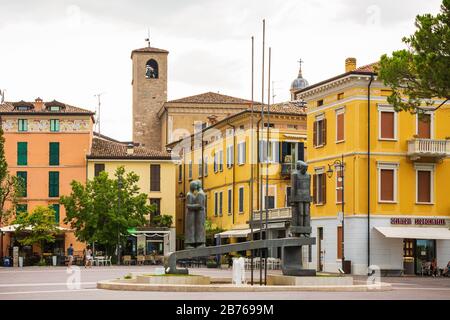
pixel 273 90
pixel 148 37
pixel 300 61
pixel 98 95
pixel 2 95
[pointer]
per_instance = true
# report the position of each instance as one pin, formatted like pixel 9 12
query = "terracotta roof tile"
pixel 11 107
pixel 288 107
pixel 106 148
pixel 211 98
pixel 368 67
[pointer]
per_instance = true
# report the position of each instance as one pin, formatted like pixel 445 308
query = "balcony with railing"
pixel 428 148
pixel 274 214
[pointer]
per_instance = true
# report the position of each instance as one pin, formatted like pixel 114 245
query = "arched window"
pixel 151 69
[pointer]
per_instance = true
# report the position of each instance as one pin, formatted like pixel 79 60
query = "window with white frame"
pixel 200 168
pixel 216 162
pixel 387 123
pixel 340 125
pixel 220 160
pixel 425 125
pixel 424 183
pixel 190 170
pixel 241 199
pixel 319 186
pixel 273 151
pixel 206 166
pixel 241 153
pixel 230 156
pixel 387 182
pixel 320 131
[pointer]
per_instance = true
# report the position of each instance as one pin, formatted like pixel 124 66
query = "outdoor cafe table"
pixel 97 259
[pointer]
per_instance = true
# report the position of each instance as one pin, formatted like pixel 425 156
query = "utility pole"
pixel 98 95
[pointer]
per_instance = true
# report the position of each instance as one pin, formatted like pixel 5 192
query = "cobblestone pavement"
pixel 55 283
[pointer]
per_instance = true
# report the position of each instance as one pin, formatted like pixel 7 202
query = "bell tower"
pixel 149 83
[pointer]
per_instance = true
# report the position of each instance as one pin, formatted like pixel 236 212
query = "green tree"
pixel 104 208
pixel 163 221
pixel 10 189
pixel 421 72
pixel 38 226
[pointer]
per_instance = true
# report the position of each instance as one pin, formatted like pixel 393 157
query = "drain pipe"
pixel 368 172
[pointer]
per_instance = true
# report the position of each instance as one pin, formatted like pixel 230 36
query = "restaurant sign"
pixel 418 221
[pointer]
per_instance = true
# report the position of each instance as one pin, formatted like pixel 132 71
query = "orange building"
pixel 46 144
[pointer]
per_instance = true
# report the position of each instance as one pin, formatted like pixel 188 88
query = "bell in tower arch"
pixel 151 69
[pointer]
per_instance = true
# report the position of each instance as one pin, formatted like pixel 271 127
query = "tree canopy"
pixel 421 72
pixel 104 207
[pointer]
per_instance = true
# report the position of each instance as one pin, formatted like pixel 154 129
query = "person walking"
pixel 70 255
pixel 88 257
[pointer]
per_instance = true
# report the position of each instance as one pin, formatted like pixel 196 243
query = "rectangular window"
pixel 98 167
pixel 220 203
pixel 273 150
pixel 155 177
pixel 340 125
pixel 287 199
pixel 424 183
pixel 22 153
pixel 54 125
pixel 54 153
pixel 241 199
pixel 387 125
pixel 339 242
pixel 216 162
pixel 190 170
pixel 53 184
pixel 21 208
pixel 340 96
pixel 269 199
pixel 200 168
pixel 230 156
pixel 180 173
pixel 230 202
pixel 220 160
pixel 241 153
pixel 157 203
pixel 387 182
pixel 319 188
pixel 23 125
pixel 424 126
pixel 216 204
pixel 22 176
pixel 320 132
pixel 206 166
pixel 56 208
pixel 320 103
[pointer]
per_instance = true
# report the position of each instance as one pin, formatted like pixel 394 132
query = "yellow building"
pixel 156 172
pixel 396 172
pixel 221 157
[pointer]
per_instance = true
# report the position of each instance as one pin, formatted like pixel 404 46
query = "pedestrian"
pixel 70 255
pixel 434 268
pixel 88 257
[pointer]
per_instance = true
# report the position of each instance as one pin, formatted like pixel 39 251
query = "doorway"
pixel 425 251
pixel 320 251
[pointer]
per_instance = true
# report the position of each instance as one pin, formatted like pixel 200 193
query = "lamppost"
pixel 119 185
pixel 340 164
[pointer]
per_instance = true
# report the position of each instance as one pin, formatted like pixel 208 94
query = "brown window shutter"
pixel 314 177
pixel 387 184
pixel 387 125
pixel 424 126
pixel 324 188
pixel 340 127
pixel 424 186
pixel 324 132
pixel 315 134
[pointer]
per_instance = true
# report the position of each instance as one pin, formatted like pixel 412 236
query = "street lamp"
pixel 119 185
pixel 340 164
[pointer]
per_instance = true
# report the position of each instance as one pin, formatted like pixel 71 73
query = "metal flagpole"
pixel 267 168
pixel 262 139
pixel 251 167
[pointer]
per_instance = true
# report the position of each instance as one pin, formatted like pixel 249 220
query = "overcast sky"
pixel 71 50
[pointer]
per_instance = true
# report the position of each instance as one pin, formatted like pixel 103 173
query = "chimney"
pixel 350 64
pixel 38 104
pixel 130 148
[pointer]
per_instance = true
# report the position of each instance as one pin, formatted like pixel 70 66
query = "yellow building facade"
pixel 395 172
pixel 226 166
pixel 156 172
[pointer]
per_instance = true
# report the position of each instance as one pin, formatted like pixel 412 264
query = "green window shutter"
pixel 22 176
pixel 56 208
pixel 22 151
pixel 54 125
pixel 21 208
pixel 53 184
pixel 23 125
pixel 54 153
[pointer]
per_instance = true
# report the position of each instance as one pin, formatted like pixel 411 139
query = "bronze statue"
pixel 195 216
pixel 300 199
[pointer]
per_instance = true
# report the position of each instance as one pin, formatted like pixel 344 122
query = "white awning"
pixel 296 136
pixel 243 233
pixel 415 232
pixel 13 227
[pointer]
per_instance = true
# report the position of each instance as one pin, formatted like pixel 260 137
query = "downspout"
pixel 234 171
pixel 368 171
pixel 257 164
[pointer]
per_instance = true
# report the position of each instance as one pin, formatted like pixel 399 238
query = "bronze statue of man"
pixel 300 199
pixel 195 216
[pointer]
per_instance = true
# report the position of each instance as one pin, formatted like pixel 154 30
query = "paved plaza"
pixel 56 283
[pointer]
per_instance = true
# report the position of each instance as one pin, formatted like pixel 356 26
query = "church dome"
pixel 300 82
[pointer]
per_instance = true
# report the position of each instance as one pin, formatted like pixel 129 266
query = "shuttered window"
pixel 56 208
pixel 320 133
pixel 319 188
pixel 339 126
pixel 54 125
pixel 230 156
pixel 22 153
pixel 53 184
pixel 98 167
pixel 241 153
pixel 216 204
pixel 21 208
pixel 387 184
pixel 387 123
pixel 424 186
pixel 230 201
pixel 22 176
pixel 424 126
pixel 23 125
pixel 220 203
pixel 155 177
pixel 241 199
pixel 54 153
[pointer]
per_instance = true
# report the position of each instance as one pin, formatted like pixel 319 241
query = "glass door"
pixel 425 252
